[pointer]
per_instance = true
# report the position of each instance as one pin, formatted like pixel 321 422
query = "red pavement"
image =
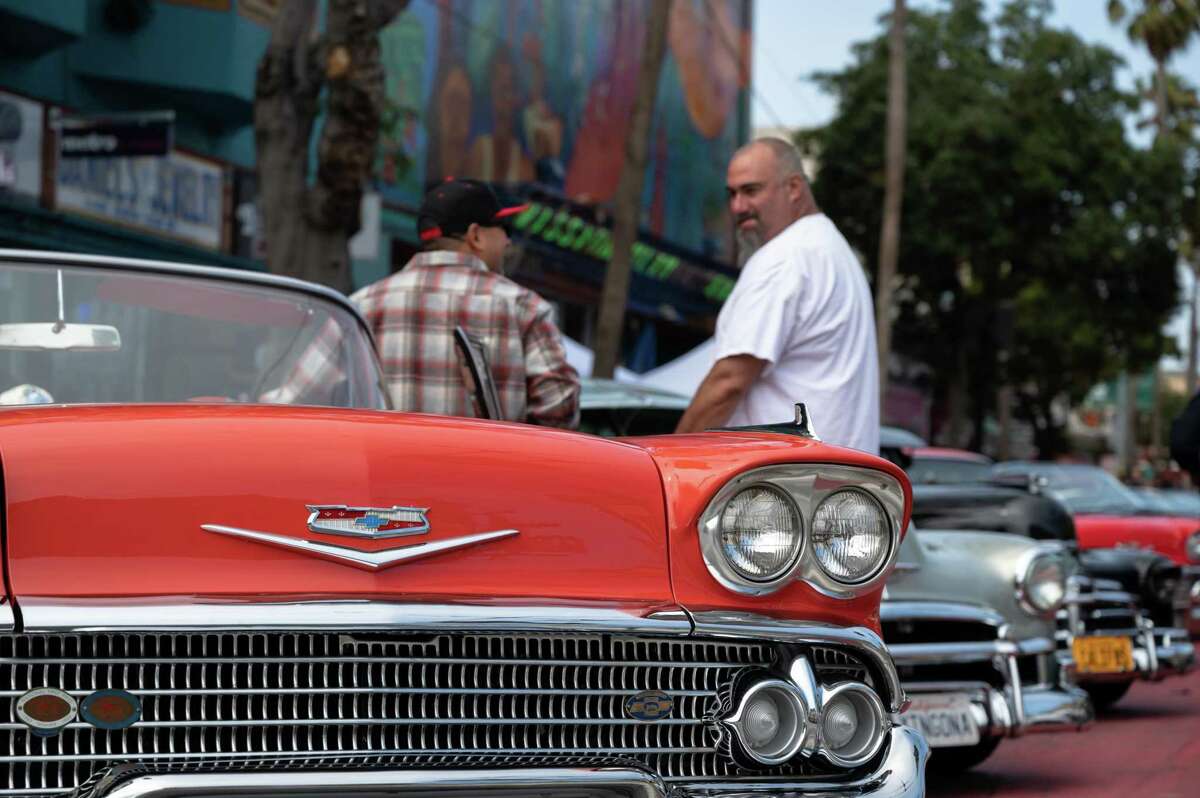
pixel 1147 745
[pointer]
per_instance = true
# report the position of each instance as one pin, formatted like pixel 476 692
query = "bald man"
pixel 799 325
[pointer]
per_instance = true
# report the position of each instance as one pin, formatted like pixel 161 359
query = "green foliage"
pixel 1034 236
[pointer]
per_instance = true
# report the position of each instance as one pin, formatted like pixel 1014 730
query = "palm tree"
pixel 1164 27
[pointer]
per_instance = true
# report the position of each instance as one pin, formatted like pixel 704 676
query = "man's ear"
pixel 795 188
pixel 474 237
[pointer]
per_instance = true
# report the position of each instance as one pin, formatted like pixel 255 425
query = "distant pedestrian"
pixel 799 325
pixel 457 281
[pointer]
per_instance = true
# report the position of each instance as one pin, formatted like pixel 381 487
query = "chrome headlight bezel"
pixel 1029 564
pixel 807 486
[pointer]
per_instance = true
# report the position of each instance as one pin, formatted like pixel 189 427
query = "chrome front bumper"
pixel 1017 709
pixel 1158 652
pixel 900 774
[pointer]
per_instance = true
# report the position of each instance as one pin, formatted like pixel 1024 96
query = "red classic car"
pixel 224 577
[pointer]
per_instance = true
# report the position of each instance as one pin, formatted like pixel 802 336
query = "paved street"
pixel 1149 745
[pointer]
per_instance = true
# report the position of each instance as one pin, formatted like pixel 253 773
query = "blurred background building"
pixel 126 128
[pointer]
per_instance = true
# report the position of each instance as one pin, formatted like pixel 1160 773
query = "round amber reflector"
pixel 46 710
pixel 111 709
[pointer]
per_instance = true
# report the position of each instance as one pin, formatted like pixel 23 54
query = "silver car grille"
pixel 294 699
pixel 1098 609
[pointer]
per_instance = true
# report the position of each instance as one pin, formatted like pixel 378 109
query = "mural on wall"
pixel 520 91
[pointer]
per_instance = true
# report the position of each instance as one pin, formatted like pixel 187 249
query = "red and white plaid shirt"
pixel 414 312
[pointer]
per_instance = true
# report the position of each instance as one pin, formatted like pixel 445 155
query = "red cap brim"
pixel 504 213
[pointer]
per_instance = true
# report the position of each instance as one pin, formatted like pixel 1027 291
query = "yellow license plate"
pixel 1103 654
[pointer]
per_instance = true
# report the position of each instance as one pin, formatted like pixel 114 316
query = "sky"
pixel 794 38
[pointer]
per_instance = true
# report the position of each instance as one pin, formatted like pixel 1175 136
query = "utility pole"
pixel 889 239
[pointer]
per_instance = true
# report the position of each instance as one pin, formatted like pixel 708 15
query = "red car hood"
pixel 1164 534
pixel 107 502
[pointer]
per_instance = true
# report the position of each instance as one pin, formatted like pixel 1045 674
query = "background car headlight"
pixel 1043 586
pixel 1192 547
pixel 850 536
pixel 760 533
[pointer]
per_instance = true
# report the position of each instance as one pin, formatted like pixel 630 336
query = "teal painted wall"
pixel 198 62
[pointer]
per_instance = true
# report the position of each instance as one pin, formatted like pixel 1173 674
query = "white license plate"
pixel 945 719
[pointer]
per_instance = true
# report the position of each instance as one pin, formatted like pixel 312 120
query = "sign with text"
pixel 115 138
pixel 179 196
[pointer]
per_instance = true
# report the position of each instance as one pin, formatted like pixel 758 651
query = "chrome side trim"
pixel 604 783
pixel 760 627
pixel 366 560
pixel 57 615
pixel 939 611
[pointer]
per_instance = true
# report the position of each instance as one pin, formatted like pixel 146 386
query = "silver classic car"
pixel 969 618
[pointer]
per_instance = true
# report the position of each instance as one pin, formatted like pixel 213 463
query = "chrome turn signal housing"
pixel 777 719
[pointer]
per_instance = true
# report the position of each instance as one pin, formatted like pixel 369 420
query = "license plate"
pixel 945 719
pixel 1102 654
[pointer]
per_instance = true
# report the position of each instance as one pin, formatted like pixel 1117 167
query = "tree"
pixel 309 218
pixel 893 196
pixel 627 203
pixel 1031 223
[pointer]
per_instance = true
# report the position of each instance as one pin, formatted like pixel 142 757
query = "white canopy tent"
pixel 681 375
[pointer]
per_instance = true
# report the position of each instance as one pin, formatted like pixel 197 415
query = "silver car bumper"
pixel 1158 652
pixel 1017 709
pixel 901 774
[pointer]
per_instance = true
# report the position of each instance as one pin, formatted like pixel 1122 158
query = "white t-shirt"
pixel 802 304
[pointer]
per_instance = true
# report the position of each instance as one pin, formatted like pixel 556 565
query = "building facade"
pixel 535 95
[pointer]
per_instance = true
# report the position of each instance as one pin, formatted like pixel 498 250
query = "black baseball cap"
pixel 453 206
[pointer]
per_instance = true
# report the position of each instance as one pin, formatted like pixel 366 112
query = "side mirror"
pixel 474 357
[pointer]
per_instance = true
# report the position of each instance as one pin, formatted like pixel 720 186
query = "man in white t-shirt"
pixel 799 325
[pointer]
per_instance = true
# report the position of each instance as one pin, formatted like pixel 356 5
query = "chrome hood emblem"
pixel 370 523
pixel 366 560
pixel 374 523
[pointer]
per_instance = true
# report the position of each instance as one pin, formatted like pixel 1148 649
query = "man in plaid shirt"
pixel 456 281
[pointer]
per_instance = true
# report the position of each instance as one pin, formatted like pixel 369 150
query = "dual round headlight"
pixel 1043 584
pixel 761 533
pixel 755 539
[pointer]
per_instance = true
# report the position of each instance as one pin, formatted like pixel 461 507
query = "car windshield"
pixel 126 335
pixel 1092 491
pixel 1172 502
pixel 947 471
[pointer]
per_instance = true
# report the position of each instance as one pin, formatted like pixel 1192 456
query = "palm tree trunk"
pixel 628 200
pixel 889 239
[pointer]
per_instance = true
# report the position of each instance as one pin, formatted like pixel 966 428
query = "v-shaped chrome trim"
pixel 367 560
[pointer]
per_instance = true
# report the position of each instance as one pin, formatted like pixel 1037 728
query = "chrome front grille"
pixel 295 699
pixel 1097 607
pixel 904 630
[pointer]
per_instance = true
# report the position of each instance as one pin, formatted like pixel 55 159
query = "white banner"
pixel 177 196
pixel 20 145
